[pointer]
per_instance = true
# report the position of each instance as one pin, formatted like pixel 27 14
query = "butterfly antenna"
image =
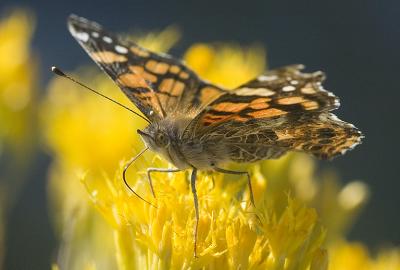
pixel 60 73
pixel 129 163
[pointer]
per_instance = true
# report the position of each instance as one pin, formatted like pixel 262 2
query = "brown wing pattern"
pixel 156 83
pixel 278 92
pixel 323 135
pixel 281 110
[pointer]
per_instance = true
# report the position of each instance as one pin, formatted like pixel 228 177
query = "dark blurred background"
pixel 355 42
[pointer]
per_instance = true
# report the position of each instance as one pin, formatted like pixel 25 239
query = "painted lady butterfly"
pixel 199 126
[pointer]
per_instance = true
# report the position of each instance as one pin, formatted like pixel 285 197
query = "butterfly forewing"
pixel 158 84
pixel 279 111
pixel 278 92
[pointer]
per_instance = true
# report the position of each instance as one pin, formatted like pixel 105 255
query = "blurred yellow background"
pixel 303 214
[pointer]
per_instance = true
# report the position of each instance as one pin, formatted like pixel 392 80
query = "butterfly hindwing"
pixel 156 83
pixel 322 135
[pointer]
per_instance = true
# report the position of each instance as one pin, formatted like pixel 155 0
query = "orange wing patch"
pixel 306 103
pixel 268 113
pixel 184 75
pixel 177 90
pixel 172 87
pixel 173 90
pixel 230 107
pixel 132 80
pixel 290 100
pixel 157 67
pixel 310 105
pixel 259 106
pixel 209 93
pixel 174 69
pixel 166 85
pixel 134 85
pixel 107 57
pixel 260 103
pixel 146 75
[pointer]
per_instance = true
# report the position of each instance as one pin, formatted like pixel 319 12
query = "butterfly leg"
pixel 151 170
pixel 239 173
pixel 196 207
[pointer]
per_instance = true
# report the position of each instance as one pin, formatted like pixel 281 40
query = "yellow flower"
pixel 231 234
pixel 17 79
pixel 227 65
pixel 337 205
pixel 356 256
pixel 17 114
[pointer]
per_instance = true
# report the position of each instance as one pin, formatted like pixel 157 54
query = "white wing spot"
pixel 95 34
pixel 121 49
pixel 107 39
pixel 82 36
pixel 294 82
pixel 264 92
pixel 288 88
pixel 267 78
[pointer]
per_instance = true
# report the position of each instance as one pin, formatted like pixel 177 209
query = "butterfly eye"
pixel 161 139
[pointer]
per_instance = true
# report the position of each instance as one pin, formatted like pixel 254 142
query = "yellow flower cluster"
pixel 17 116
pixel 90 138
pixel 231 234
pixel 17 79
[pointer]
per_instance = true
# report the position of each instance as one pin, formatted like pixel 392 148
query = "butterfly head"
pixel 160 140
pixel 156 139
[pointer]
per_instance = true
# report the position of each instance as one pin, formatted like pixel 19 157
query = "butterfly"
pixel 197 125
